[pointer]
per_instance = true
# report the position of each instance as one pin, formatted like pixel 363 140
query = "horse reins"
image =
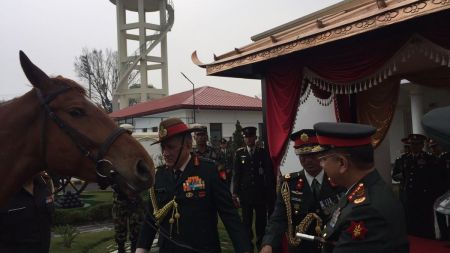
pixel 104 178
pixel 105 171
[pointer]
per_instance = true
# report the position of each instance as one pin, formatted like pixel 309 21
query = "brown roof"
pixel 205 98
pixel 344 19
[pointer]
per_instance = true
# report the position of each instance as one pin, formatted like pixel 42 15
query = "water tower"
pixel 142 48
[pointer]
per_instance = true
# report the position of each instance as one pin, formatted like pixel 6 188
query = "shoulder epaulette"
pixel 292 175
pixel 358 195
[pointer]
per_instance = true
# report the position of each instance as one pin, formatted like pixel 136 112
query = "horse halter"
pixel 106 174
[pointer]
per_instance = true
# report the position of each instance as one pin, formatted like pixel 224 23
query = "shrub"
pixel 80 216
pixel 68 233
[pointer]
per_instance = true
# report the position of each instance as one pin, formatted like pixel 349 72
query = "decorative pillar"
pixel 417 109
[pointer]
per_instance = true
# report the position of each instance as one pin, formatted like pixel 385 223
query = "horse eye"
pixel 77 112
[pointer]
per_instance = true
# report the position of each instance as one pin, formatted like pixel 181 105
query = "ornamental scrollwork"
pixel 443 2
pixel 365 23
pixel 388 16
pixel 343 30
pixel 413 8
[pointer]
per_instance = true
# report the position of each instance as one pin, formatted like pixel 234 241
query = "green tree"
pixel 238 140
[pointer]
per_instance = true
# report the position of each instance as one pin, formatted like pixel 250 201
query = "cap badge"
pixel 304 137
pixel 162 132
pixel 357 230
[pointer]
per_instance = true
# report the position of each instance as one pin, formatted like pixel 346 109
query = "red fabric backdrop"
pixel 339 62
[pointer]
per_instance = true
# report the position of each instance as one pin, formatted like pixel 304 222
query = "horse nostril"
pixel 142 170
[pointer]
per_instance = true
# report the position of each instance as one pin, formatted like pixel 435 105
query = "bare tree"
pixel 100 70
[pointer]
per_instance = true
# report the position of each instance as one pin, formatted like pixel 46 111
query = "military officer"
pixel 422 176
pixel 253 184
pixel 225 161
pixel 304 193
pixel 128 214
pixel 368 218
pixel 397 171
pixel 202 148
pixel 186 200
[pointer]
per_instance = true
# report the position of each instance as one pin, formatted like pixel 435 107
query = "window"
pixel 154 129
pixel 215 133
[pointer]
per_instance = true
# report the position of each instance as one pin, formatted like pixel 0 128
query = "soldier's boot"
pixel 121 248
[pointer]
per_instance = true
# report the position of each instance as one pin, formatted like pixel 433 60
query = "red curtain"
pixel 283 92
pixel 341 61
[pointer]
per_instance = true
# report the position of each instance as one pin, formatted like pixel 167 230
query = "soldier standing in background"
pixel 397 172
pixel 423 183
pixel 128 215
pixel 225 162
pixel 202 148
pixel 305 193
pixel 253 184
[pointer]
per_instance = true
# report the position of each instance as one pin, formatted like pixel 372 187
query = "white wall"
pixel 228 119
pixel 154 120
pixel 308 114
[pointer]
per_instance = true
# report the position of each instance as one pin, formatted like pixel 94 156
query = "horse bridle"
pixel 105 172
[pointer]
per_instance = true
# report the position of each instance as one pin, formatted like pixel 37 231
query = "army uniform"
pixel 421 187
pixel 253 183
pixel 200 195
pixel 297 196
pixel 128 215
pixel 368 219
pixel 225 164
pixel 209 153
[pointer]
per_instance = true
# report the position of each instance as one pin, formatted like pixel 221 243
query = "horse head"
pixel 77 138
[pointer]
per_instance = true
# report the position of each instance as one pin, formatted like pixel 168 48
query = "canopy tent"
pixel 353 56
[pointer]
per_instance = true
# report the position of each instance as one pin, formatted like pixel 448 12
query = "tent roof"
pixel 342 20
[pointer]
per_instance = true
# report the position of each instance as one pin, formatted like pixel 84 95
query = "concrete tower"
pixel 134 66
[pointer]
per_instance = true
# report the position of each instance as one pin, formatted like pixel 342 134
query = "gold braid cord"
pixel 160 214
pixel 304 224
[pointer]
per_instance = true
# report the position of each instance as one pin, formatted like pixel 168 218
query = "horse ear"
pixel 35 75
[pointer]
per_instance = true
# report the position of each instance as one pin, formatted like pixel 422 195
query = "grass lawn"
pixel 82 243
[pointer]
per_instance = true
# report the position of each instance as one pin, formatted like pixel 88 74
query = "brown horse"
pixel 55 127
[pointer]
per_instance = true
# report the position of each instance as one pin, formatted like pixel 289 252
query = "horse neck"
pixel 20 142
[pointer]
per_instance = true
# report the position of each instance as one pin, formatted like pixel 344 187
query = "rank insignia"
pixel 304 137
pixel 358 195
pixel 333 184
pixel 162 132
pixel 299 184
pixel 189 194
pixel 357 230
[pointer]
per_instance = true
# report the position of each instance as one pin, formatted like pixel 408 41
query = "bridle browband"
pixel 106 174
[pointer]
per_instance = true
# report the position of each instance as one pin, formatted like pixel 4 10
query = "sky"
pixel 54 32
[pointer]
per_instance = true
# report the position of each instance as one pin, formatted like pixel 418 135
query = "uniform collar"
pixel 183 167
pixel 310 178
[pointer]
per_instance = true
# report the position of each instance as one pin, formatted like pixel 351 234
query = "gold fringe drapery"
pixel 376 107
